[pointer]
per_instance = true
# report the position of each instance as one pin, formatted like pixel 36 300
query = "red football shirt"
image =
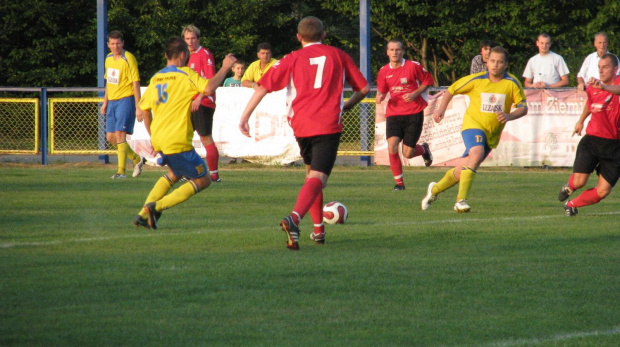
pixel 314 77
pixel 605 108
pixel 404 79
pixel 203 63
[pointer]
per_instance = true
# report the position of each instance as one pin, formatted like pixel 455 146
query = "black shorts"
pixel 202 120
pixel 319 151
pixel 407 127
pixel 595 152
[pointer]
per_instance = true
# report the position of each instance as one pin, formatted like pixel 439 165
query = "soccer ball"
pixel 335 213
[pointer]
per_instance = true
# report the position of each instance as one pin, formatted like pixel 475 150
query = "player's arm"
pixel 136 95
pixel 219 77
pixel 445 101
pixel 104 105
pixel 148 118
pixel 380 97
pixel 517 113
pixel 259 94
pixel 579 125
pixel 356 97
pixel 413 95
pixel 612 88
pixel 248 84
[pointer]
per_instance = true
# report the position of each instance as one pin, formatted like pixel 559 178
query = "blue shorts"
pixel 473 138
pixel 188 164
pixel 121 115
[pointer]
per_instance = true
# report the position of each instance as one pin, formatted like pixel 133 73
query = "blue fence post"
pixel 365 69
pixel 102 30
pixel 44 126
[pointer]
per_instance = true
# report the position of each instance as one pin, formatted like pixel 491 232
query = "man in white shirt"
pixel 589 68
pixel 546 69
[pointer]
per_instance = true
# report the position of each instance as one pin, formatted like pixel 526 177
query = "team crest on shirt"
pixel 403 80
pixel 492 102
pixel 113 75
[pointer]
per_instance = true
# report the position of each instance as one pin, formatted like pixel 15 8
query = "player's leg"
pixel 412 132
pixel 202 120
pixel 395 132
pixel 319 154
pixel 584 165
pixel 607 153
pixel 316 214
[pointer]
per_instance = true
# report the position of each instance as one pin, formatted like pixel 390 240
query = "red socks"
pixel 397 168
pixel 588 197
pixel 212 157
pixel 307 196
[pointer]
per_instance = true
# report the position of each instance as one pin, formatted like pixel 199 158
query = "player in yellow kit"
pixel 491 96
pixel 122 94
pixel 167 117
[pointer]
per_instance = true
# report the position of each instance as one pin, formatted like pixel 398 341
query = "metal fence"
pixel 73 125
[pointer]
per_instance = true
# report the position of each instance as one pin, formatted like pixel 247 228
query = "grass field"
pixel 513 272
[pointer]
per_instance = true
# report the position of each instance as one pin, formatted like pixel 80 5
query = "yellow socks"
pixel 160 189
pixel 447 182
pixel 183 193
pixel 467 178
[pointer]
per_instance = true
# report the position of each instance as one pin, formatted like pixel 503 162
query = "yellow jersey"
pixel 254 73
pixel 485 99
pixel 120 74
pixel 169 96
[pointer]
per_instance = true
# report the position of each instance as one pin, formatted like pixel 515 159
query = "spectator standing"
pixel 546 69
pixel 120 102
pixel 257 69
pixel 479 62
pixel 202 62
pixel 168 97
pixel 238 69
pixel 599 149
pixel 491 96
pixel 589 68
pixel 407 82
pixel 314 77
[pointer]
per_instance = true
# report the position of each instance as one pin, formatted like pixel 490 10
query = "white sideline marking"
pixel 410 222
pixel 556 338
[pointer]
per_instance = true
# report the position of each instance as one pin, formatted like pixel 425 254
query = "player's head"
pixel 543 42
pixel 177 48
pixel 263 52
pixel 238 68
pixel 608 68
pixel 395 50
pixel 191 35
pixel 485 48
pixel 310 29
pixel 498 61
pixel 115 42
pixel 601 41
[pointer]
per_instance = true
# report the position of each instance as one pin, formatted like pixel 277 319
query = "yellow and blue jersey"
pixel 485 99
pixel 169 96
pixel 120 74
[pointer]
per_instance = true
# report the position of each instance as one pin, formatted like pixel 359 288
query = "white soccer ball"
pixel 335 213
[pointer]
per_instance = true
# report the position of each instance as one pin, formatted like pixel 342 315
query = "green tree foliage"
pixel 45 43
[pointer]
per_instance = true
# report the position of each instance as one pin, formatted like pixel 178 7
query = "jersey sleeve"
pixel 424 76
pixel 149 96
pixel 518 95
pixel 277 77
pixel 353 75
pixel 133 66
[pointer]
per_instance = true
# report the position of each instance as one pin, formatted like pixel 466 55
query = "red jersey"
pixel 203 63
pixel 404 79
pixel 314 77
pixel 605 118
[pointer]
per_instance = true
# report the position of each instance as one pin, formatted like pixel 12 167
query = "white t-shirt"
pixel 546 68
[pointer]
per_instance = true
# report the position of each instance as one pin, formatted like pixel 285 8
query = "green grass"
pixel 513 272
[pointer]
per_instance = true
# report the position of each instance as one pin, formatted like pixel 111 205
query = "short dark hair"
pixel 402 45
pixel 501 50
pixel 263 45
pixel 486 43
pixel 115 34
pixel 612 58
pixel 175 46
pixel 310 29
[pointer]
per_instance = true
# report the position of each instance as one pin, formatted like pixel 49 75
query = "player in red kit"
pixel 600 148
pixel 407 82
pixel 201 60
pixel 314 77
